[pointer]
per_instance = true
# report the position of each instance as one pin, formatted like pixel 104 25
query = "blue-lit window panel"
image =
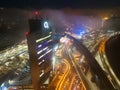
pixel 48 56
pixel 44 48
pixel 49 41
pixel 44 51
pixel 43 55
pixel 39 60
pixel 44 44
pixel 39 46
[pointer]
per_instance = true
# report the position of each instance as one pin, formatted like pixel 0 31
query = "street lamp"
pixel 105 18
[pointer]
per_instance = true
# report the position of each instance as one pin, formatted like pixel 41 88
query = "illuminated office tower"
pixel 39 40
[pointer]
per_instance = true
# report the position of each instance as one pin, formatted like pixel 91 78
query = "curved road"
pixel 64 76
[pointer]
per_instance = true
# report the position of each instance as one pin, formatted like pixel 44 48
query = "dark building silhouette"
pixel 113 53
pixel 39 40
pixel 112 24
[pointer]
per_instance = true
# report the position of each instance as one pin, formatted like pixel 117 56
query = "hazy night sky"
pixel 66 9
pixel 58 4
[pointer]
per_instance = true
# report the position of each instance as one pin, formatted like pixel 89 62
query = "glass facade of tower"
pixel 40 51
